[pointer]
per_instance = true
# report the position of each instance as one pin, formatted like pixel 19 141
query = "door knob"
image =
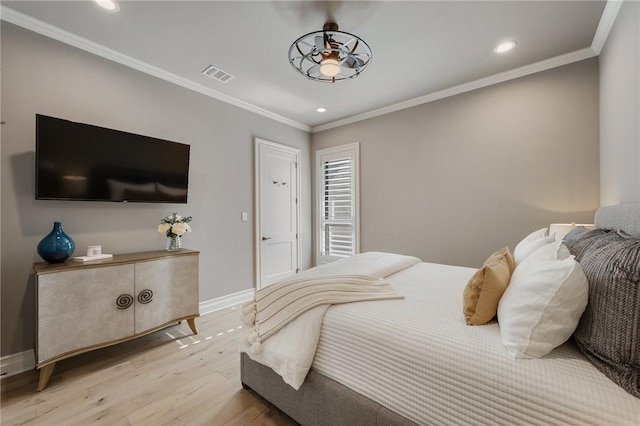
pixel 266 238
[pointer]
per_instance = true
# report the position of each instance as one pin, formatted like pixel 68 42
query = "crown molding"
pixel 607 19
pixel 554 62
pixel 37 26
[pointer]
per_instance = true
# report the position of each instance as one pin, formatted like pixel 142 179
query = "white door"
pixel 277 178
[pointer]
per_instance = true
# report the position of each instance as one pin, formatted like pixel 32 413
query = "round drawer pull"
pixel 145 296
pixel 124 301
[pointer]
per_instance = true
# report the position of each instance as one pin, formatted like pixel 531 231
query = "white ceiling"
pixel 422 50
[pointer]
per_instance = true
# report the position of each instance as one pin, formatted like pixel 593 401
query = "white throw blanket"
pixel 278 304
pixel 286 317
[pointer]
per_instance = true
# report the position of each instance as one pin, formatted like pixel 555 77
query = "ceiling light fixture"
pixel 505 47
pixel 321 109
pixel 330 55
pixel 109 5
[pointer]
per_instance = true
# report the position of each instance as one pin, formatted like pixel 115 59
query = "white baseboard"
pixel 17 363
pixel 213 305
pixel 24 361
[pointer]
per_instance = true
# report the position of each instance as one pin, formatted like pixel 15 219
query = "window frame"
pixel 352 151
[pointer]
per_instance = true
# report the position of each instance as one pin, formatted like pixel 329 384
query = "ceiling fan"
pixel 330 55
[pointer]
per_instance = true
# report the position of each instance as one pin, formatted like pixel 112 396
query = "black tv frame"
pixel 82 162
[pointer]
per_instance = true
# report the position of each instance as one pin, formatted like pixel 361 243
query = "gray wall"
pixel 454 180
pixel 43 76
pixel 448 181
pixel 620 109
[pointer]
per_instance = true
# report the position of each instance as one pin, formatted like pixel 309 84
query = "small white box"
pixel 94 251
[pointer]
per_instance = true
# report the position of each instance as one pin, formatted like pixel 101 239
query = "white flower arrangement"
pixel 174 225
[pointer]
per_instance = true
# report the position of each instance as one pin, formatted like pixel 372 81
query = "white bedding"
pixel 417 357
pixel 290 351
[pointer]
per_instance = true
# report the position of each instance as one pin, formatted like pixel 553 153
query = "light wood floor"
pixel 169 377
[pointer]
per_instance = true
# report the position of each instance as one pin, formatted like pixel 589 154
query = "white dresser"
pixel 85 306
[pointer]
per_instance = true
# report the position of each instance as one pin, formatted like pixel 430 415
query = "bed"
pixel 415 361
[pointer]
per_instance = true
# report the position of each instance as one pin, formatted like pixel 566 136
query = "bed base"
pixel 319 401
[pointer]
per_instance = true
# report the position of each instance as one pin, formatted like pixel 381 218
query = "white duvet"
pixel 417 357
pixel 290 351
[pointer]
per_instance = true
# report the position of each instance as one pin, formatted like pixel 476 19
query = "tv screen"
pixel 76 161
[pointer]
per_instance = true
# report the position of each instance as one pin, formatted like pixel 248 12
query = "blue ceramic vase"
pixel 57 246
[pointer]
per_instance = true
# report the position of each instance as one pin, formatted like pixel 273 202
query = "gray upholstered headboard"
pixel 625 217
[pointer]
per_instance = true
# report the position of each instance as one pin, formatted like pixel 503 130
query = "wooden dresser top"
pixel 118 259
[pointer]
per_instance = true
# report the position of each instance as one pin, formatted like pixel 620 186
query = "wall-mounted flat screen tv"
pixel 76 161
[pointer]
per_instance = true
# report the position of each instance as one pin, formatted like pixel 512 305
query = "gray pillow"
pixel 578 232
pixel 609 330
pixel 580 240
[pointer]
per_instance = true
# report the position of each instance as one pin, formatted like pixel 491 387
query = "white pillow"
pixel 531 243
pixel 543 303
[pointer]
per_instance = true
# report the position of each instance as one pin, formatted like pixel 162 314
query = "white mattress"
pixel 418 357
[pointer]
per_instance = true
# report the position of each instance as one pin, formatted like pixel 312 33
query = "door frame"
pixel 259 142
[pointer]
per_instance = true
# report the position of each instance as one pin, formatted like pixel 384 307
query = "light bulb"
pixel 329 67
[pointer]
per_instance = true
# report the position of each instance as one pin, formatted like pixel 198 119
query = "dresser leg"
pixel 45 375
pixel 192 325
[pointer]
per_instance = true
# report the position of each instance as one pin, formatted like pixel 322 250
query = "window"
pixel 337 171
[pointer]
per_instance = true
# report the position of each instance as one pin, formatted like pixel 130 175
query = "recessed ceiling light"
pixel 321 109
pixel 505 47
pixel 109 5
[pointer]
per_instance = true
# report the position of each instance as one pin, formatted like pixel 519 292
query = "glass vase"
pixel 174 243
pixel 57 246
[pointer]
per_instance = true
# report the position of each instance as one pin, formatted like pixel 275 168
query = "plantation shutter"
pixel 337 203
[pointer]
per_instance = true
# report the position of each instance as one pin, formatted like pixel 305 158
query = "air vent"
pixel 217 74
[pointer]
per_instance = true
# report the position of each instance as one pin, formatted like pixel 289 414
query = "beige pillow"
pixel 486 286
